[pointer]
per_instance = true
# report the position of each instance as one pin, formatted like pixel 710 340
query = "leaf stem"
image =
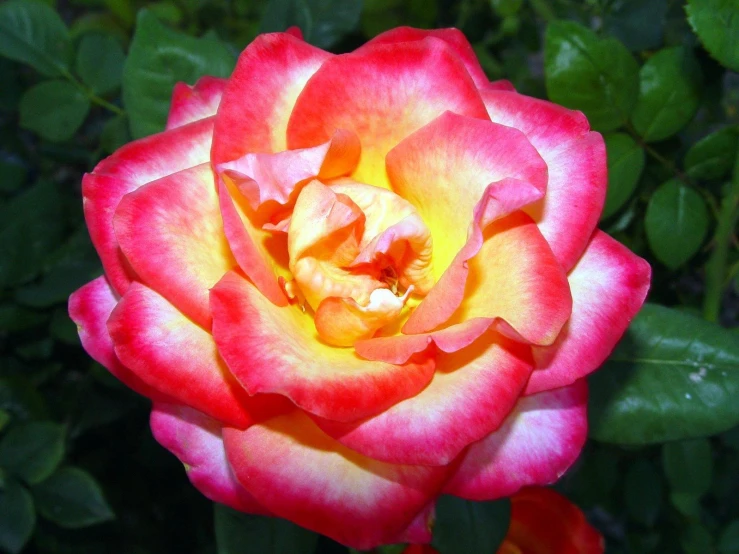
pixel 716 270
pixel 91 96
pixel 659 157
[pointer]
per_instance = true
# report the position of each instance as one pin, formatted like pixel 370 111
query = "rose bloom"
pixel 542 522
pixel 352 283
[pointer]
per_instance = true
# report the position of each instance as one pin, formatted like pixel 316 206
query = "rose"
pixel 542 522
pixel 352 283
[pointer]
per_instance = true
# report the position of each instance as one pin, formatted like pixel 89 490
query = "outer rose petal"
pixel 501 84
pixel 197 102
pixel 132 166
pixel 469 397
pixel 419 531
pixel 513 278
pixel 299 473
pixel 420 549
pixel 286 357
pixel 260 95
pixel 453 37
pixel 370 91
pixel 576 159
pixel 90 307
pixel 196 440
pixel 541 438
pixel 444 168
pixel 609 285
pixel 172 234
pixel 545 522
pixel 172 354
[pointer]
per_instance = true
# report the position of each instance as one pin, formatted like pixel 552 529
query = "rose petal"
pixel 370 91
pixel 444 168
pixel 576 159
pixel 191 103
pixel 261 93
pixel 501 84
pixel 398 349
pixel 275 178
pixel 609 285
pixel 301 474
pixel 469 397
pixel 545 522
pixel 514 278
pixel 541 438
pixel 453 37
pixel 197 442
pixel 323 238
pixel 90 307
pixel 172 354
pixel 251 245
pixel 286 357
pixel 419 531
pixel 132 166
pixel 172 234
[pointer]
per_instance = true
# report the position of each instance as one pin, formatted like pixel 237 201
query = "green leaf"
pixel 32 451
pixel 166 11
pixel 669 94
pixel 54 110
pixel 56 286
pixel 676 223
pixel 599 77
pixel 17 517
pixel 32 32
pixel 672 377
pixel 323 22
pixel 728 542
pixel 731 438
pixel 687 504
pixel 100 62
pixel 637 23
pixel 62 328
pixel 71 498
pixel 10 92
pixel 625 166
pixel 506 8
pixel 115 134
pixel 465 526
pixel 69 267
pixel 5 418
pixel 158 58
pixel 643 492
pixel 19 397
pixel 717 25
pixel 264 535
pixel 13 170
pixel 17 318
pixel 696 539
pixel 688 466
pixel 30 228
pixel 713 156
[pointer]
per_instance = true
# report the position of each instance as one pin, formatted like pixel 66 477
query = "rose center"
pixel 357 254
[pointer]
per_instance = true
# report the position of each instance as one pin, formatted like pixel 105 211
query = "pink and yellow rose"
pixel 352 283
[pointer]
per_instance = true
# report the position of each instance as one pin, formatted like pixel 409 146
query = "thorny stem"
pixel 716 270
